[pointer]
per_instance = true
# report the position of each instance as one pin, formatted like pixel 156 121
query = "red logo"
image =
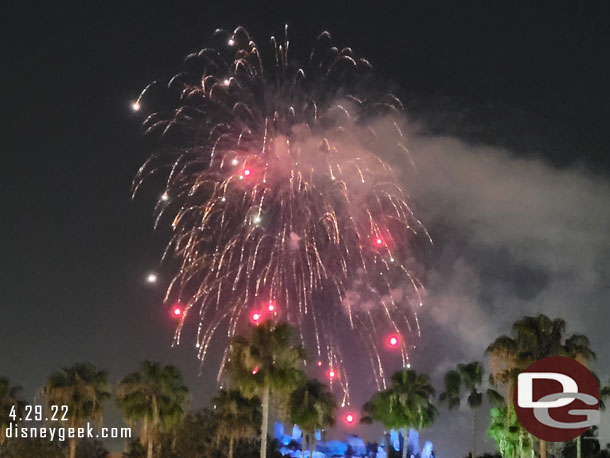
pixel 557 399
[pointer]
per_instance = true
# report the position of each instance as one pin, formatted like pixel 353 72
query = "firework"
pixel 280 192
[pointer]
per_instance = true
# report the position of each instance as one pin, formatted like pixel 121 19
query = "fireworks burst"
pixel 281 193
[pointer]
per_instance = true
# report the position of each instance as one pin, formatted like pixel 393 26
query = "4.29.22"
pixel 36 413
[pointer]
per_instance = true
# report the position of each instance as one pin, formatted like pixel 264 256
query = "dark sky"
pixel 530 77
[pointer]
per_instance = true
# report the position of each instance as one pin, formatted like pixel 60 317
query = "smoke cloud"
pixel 512 237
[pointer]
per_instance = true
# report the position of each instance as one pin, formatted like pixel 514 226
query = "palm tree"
pixel 506 431
pixel 469 376
pixel 267 364
pixel 378 409
pixel 511 438
pixel 236 416
pixel 533 338
pixel 578 347
pixel 407 403
pixel 312 407
pixel 411 396
pixel 538 337
pixel 156 395
pixel 12 406
pixel 504 365
pixel 83 388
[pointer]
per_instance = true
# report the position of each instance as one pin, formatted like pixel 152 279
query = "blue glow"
pixel 352 446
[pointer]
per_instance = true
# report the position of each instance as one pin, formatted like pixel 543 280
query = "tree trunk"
pixel 474 433
pixel 72 448
pixel 265 423
pixel 303 436
pixel 144 432
pixel 312 442
pixel 174 439
pixel 542 449
pixel 405 442
pixel 509 402
pixel 231 440
pixel 149 449
pixel 509 389
pixel 154 429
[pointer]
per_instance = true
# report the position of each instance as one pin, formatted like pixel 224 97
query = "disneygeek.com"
pixel 61 434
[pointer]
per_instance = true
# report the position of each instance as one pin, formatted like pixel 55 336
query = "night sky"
pixel 508 103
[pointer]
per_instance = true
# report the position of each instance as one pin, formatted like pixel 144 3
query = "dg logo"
pixel 557 399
